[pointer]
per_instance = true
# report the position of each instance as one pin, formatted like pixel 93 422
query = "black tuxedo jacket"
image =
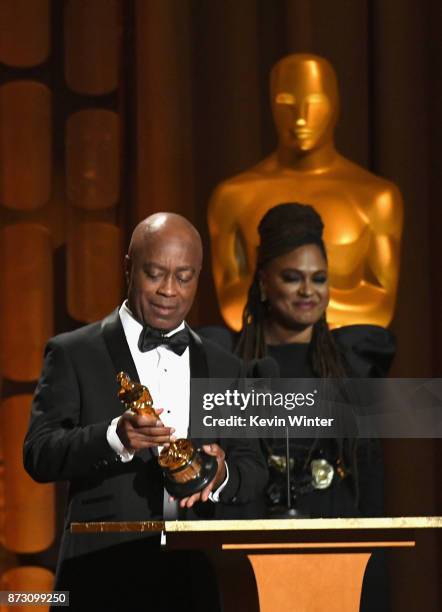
pixel 75 400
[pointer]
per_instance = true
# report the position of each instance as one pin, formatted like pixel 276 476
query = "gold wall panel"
pixel 26 303
pixel 29 506
pixel 24 34
pixel 93 159
pixel 25 145
pixel 94 270
pixel 29 578
pixel 92 35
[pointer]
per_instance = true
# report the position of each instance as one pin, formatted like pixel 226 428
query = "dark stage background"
pixel 111 110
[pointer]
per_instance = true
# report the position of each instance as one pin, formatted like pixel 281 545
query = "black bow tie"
pixel 150 338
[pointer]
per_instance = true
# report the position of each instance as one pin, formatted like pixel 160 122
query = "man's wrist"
pixel 115 442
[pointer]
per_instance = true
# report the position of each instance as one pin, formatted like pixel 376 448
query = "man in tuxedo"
pixel 77 432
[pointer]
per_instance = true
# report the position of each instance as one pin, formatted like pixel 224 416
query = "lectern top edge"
pixel 327 524
pixel 320 524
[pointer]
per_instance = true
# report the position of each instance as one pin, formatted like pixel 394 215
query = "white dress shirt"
pixel 167 376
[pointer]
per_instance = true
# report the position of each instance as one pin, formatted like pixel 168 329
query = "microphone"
pixel 266 367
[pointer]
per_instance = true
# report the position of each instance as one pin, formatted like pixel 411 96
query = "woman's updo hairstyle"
pixel 286 227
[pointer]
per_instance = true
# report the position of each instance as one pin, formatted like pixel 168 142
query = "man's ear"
pixel 127 268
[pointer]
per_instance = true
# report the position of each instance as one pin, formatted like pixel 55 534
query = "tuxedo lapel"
pixel 121 357
pixel 199 368
pixel 117 346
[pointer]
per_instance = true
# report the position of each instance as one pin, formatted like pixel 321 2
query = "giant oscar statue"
pixel 362 213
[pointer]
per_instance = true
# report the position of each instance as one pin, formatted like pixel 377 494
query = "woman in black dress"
pixel 285 318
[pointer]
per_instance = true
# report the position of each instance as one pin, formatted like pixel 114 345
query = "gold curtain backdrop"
pixel 113 109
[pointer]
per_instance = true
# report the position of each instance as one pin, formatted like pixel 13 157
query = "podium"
pixel 301 565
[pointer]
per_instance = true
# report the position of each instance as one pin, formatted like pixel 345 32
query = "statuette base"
pixel 178 484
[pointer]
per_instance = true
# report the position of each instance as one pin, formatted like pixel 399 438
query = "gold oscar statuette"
pixel 362 212
pixel 186 470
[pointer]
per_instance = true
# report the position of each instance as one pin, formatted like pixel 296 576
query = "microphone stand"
pixel 279 512
pixel 267 368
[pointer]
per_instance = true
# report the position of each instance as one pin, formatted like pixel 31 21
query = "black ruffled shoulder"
pixel 368 350
pixel 223 336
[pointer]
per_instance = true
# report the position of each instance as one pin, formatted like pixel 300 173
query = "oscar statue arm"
pixel 230 265
pixel 56 446
pixel 372 300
